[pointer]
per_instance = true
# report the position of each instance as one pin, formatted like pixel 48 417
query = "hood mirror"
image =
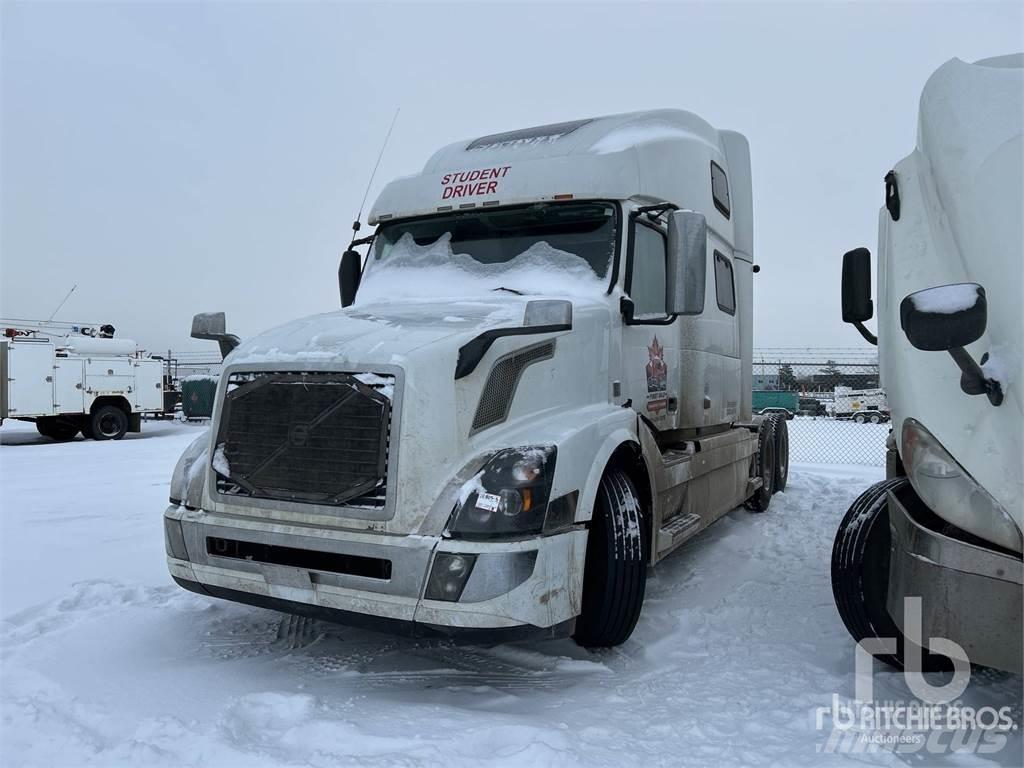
pixel 946 319
pixel 349 275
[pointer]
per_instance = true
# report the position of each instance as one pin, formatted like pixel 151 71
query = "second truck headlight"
pixel 508 498
pixel 949 491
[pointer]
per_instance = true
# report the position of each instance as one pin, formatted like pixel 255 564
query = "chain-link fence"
pixel 838 413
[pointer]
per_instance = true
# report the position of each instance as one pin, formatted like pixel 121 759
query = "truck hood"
pixel 376 333
pixel 436 444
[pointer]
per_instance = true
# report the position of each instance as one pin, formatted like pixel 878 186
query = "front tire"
pixel 615 574
pixel 860 573
pixel 108 422
pixel 859 418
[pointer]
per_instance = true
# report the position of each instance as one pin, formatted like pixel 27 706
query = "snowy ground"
pixel 105 662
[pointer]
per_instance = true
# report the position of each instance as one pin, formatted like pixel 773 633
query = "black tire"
pixel 860 573
pixel 859 418
pixel 875 418
pixel 615 574
pixel 57 428
pixel 765 467
pixel 781 455
pixel 108 422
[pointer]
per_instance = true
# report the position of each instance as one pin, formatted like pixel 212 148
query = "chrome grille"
pixel 496 398
pixel 318 438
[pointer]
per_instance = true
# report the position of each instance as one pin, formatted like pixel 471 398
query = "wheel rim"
pixel 780 460
pixel 109 425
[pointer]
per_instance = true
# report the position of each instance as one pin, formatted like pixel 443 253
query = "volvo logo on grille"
pixel 298 434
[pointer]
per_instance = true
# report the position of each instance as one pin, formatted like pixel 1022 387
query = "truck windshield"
pixel 551 247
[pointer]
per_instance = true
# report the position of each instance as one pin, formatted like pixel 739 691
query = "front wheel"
pixel 615 574
pixel 859 418
pixel 860 573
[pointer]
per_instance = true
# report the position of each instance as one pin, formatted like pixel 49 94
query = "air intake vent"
pixel 315 438
pixel 496 399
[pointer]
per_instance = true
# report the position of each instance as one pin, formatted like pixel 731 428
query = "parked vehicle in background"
pixel 861 405
pixel 811 406
pixel 198 394
pixel 70 378
pixel 945 527
pixel 774 401
pixel 538 386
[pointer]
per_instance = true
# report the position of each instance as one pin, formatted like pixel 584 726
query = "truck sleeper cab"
pixel 538 385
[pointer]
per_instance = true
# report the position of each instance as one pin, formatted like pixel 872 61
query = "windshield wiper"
pixel 510 290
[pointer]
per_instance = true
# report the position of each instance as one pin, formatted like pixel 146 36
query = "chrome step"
pixel 677 530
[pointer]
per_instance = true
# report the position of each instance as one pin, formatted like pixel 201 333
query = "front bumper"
pixel 969 594
pixel 499 594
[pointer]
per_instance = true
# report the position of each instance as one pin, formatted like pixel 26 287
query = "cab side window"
pixel 725 288
pixel 647 278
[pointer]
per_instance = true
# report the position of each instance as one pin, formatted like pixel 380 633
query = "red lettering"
pixel 447 193
pixel 445 179
pixel 492 186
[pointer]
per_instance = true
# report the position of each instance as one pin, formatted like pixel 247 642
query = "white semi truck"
pixel 945 527
pixel 68 378
pixel 538 386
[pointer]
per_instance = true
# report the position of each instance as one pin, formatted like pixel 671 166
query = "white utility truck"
pixel 70 378
pixel 539 384
pixel 860 405
pixel 945 527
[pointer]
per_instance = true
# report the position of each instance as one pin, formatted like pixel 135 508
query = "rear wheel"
pixel 765 467
pixel 781 455
pixel 108 422
pixel 875 419
pixel 860 573
pixel 56 428
pixel 615 574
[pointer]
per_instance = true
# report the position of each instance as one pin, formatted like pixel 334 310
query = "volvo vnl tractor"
pixel 937 545
pixel 539 384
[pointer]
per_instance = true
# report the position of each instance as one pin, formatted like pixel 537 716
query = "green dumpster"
pixel 197 395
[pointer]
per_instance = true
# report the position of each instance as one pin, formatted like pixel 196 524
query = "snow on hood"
pixel 381 333
pixel 434 272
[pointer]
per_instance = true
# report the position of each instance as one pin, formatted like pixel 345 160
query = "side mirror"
pixel 946 319
pixel 940 319
pixel 212 326
pixel 687 263
pixel 857 304
pixel 349 274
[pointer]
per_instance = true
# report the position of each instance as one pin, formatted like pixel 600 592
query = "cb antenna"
pixel 68 296
pixel 355 224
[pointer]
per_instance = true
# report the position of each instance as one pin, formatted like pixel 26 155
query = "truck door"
pixel 650 350
pixel 30 379
pixel 68 386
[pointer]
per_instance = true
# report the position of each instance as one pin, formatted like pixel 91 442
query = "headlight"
pixel 946 488
pixel 509 497
pixel 184 469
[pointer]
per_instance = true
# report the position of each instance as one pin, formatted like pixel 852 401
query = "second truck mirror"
pixel 348 277
pixel 687 262
pixel 856 302
pixel 943 318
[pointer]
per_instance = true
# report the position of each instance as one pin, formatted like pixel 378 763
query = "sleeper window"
pixel 647 281
pixel 724 287
pixel 720 189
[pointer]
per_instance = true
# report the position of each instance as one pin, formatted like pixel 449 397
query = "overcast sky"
pixel 183 157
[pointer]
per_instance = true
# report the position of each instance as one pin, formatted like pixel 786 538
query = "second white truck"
pixel 539 385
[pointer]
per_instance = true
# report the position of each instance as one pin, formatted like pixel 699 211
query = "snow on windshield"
pixel 408 270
